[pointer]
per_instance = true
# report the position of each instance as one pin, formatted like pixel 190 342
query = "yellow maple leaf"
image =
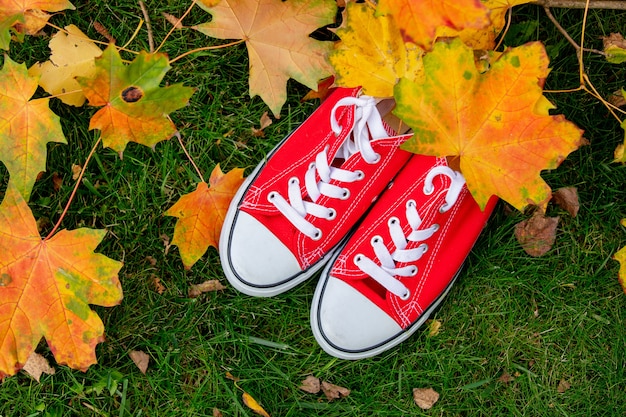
pixel 372 53
pixel 276 34
pixel 620 256
pixel 26 126
pixel 201 214
pixel 484 38
pixel 46 287
pixel 72 56
pixel 497 122
pixel 418 20
pixel 26 16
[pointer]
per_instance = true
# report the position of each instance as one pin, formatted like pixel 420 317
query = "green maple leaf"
pixel 136 108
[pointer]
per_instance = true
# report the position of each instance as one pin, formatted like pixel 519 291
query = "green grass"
pixel 540 320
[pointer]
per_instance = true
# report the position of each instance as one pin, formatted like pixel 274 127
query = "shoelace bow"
pixel 385 273
pixel 368 125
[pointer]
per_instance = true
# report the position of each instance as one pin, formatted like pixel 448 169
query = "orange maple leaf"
pixel 25 126
pixel 277 37
pixel 26 16
pixel 620 256
pixel 135 107
pixel 484 38
pixel 46 287
pixel 497 122
pixel 418 20
pixel 201 214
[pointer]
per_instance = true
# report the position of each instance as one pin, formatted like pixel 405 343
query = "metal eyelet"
pixel 317 235
pixel 428 191
pixel 294 180
pixel 444 208
pixel 271 195
pixel 332 214
pixel 345 195
pixel 359 175
pixel 413 270
pixel 411 203
pixel 436 227
pixel 405 297
pixel 357 258
pixel 393 221
pixel 377 159
pixel 376 240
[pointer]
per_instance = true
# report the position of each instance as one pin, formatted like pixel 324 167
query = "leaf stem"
pixel 73 194
pixel 182 145
pixel 193 3
pixel 207 48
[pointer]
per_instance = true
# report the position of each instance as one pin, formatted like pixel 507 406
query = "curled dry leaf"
pixel 537 234
pixel 141 359
pixel 37 365
pixel 433 327
pixel 175 21
pixel 252 404
pixel 567 199
pixel 425 398
pixel 506 377
pixel 216 412
pixel 207 286
pixel 311 385
pixel 265 122
pixel 334 392
pixel 615 48
pixel 563 386
pixel 618 98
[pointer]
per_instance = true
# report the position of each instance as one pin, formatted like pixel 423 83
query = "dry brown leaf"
pixel 216 412
pixel 563 386
pixel 175 21
pixel 425 398
pixel 537 234
pixel 433 327
pixel 76 171
pixel 311 385
pixel 333 391
pixel 567 199
pixel 252 404
pixel 617 98
pixel 99 27
pixel 207 286
pixel 141 359
pixel 505 378
pixel 158 286
pixel 323 90
pixel 57 181
pixel 265 122
pixel 36 365
pixel 232 377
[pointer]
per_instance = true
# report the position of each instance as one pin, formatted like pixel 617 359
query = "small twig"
pixel 148 25
pixel 207 48
pixel 567 36
pixel 582 4
pixel 193 3
pixel 182 145
pixel 78 182
pixel 134 34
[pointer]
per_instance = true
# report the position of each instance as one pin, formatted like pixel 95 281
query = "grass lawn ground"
pixel 520 336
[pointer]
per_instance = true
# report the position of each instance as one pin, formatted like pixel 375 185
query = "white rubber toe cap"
pixel 255 261
pixel 347 325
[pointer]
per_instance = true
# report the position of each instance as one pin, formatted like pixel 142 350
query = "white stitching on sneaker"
pixel 368 125
pixel 386 273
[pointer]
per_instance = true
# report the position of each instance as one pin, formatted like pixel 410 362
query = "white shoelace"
pixel 385 273
pixel 368 125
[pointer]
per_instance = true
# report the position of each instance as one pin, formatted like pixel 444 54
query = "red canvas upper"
pixel 447 248
pixel 293 158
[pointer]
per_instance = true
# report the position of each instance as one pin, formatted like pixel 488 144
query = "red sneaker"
pixel 293 210
pixel 401 261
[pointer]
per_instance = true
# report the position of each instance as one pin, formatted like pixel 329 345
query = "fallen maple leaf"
pixel 418 20
pixel 620 256
pixel 135 108
pixel 72 56
pixel 27 15
pixel 277 37
pixel 497 122
pixel 372 53
pixel 265 122
pixel 26 126
pixel 567 199
pixel 201 214
pixel 46 287
pixel 323 90
pixel 484 38
pixel 615 48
